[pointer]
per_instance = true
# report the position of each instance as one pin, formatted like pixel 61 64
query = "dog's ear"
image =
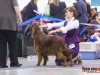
pixel 31 25
pixel 33 31
pixel 34 28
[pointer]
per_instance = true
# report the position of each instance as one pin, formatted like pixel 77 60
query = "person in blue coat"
pixel 81 9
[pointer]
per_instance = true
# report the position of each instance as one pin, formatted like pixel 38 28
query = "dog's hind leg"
pixel 39 59
pixel 45 60
pixel 61 56
pixel 70 59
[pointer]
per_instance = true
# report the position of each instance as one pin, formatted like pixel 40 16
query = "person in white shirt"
pixel 70 28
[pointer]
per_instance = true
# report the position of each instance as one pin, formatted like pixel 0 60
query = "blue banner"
pixel 89 24
pixel 95 2
pixel 30 20
pixel 41 17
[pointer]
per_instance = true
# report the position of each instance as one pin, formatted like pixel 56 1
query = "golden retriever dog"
pixel 46 45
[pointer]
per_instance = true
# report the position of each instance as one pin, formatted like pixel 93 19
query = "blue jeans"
pixel 83 31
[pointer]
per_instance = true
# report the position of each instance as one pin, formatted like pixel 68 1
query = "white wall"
pixel 22 3
pixel 42 4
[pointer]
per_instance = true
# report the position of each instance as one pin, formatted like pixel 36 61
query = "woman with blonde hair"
pixel 56 9
pixel 56 2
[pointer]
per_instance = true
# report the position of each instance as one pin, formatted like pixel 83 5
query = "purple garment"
pixel 71 37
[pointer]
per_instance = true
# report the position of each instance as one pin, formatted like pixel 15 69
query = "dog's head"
pixel 34 29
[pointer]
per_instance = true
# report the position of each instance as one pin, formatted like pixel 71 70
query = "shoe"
pixel 79 59
pixel 75 62
pixel 19 65
pixel 4 66
pixel 79 62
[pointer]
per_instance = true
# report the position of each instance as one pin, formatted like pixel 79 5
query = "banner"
pixel 95 2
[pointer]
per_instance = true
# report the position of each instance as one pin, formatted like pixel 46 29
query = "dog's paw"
pixel 44 64
pixel 38 65
pixel 64 65
pixel 71 64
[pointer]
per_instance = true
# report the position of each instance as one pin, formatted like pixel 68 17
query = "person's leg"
pixel 11 38
pixel 82 30
pixel 59 62
pixel 76 57
pixel 3 49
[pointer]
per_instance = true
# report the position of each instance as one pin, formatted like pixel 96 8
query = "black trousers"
pixel 7 36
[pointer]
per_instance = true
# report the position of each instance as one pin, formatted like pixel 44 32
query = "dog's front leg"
pixel 65 62
pixel 35 47
pixel 39 59
pixel 45 60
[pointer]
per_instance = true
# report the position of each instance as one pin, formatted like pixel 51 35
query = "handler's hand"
pixel 98 34
pixel 50 33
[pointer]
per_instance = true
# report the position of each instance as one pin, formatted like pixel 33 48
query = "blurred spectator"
pixel 81 8
pixel 9 22
pixel 32 5
pixel 91 29
pixel 95 9
pixel 88 8
pixel 56 9
pixel 93 12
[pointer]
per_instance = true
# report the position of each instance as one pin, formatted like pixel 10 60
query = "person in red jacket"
pixel 91 29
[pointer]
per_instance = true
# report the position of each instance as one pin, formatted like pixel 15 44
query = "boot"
pixel 77 60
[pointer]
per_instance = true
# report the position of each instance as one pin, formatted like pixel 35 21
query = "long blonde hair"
pixel 56 2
